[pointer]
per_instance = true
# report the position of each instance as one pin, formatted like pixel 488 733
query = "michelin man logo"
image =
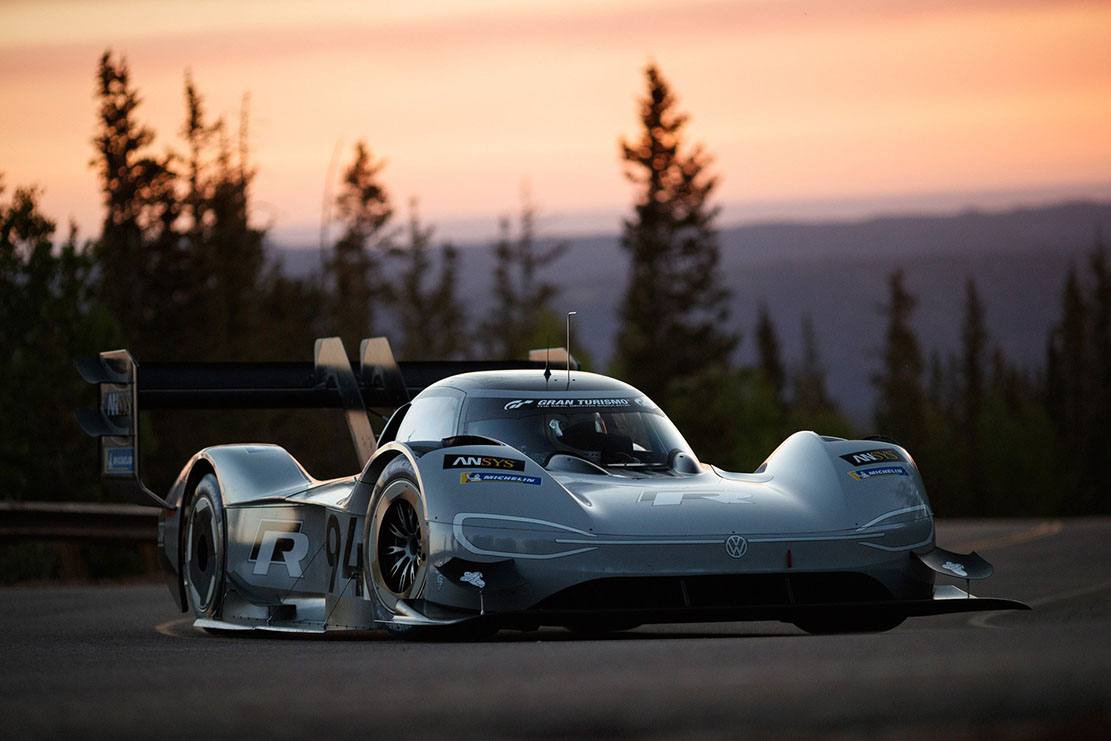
pixel 956 568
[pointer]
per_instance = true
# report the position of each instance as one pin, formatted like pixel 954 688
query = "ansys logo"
pixel 483 461
pixel 868 457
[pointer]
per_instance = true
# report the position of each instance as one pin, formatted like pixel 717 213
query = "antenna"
pixel 548 358
pixel 569 315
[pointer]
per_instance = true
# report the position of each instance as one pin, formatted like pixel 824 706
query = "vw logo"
pixel 736 546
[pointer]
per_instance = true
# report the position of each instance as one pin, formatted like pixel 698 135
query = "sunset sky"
pixel 810 107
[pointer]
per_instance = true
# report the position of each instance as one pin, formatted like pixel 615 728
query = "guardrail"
pixel 74 521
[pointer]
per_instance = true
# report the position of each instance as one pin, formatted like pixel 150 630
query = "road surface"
pixel 120 661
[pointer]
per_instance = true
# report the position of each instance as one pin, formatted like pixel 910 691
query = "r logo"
pixel 279 540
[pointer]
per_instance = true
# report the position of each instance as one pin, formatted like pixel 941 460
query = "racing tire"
pixel 204 549
pixel 395 543
pixel 395 539
pixel 829 623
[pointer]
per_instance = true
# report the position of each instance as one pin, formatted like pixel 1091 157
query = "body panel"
pixel 541 534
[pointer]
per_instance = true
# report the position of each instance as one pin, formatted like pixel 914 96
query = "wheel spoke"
pixel 400 547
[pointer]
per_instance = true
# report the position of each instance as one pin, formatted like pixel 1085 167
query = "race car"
pixel 512 495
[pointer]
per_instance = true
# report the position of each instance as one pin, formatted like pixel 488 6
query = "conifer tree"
pixel 522 299
pixel 48 315
pixel 900 408
pixel 429 312
pixel 136 253
pixel 811 398
pixel 236 252
pixel 1078 382
pixel 974 347
pixel 1067 364
pixel 674 305
pixel 767 347
pixel 223 253
pixel 355 286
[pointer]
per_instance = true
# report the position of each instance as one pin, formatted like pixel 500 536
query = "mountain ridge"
pixel 836 271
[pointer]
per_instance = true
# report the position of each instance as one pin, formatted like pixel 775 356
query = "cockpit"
pixel 625 432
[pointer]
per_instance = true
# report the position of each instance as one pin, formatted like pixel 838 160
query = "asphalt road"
pixel 119 661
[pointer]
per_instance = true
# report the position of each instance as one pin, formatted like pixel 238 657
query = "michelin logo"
pixel 476 477
pixel 119 460
pixel 871 473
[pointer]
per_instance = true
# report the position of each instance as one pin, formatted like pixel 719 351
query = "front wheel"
pixel 396 537
pixel 205 549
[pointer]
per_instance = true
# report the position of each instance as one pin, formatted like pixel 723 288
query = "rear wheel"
pixel 205 549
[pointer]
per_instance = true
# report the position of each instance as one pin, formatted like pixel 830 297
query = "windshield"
pixel 620 432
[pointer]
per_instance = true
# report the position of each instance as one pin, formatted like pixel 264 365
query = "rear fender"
pixel 245 473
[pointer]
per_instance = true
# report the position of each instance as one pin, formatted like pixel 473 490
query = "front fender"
pixel 491 478
pixel 861 484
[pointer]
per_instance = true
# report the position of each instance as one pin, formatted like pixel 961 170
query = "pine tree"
pixel 767 348
pixel 900 408
pixel 1068 380
pixel 674 306
pixel 431 317
pixel 522 305
pixel 236 252
pixel 136 254
pixel 1078 385
pixel 355 286
pixel 48 315
pixel 974 346
pixel 811 398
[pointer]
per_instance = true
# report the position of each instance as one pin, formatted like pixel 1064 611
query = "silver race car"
pixel 518 498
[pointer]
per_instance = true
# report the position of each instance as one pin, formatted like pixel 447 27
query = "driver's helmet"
pixel 586 436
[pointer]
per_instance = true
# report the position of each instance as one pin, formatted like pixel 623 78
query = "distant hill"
pixel 837 273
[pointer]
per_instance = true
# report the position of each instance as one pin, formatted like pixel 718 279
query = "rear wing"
pixel 328 382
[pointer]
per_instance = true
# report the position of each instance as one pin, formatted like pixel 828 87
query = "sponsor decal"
pixel 117 403
pixel 343 560
pixel 644 401
pixel 868 457
pixel 119 460
pixel 279 541
pixel 736 546
pixel 956 568
pixel 473 577
pixel 483 461
pixel 672 498
pixel 871 473
pixel 477 477
pixel 575 403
